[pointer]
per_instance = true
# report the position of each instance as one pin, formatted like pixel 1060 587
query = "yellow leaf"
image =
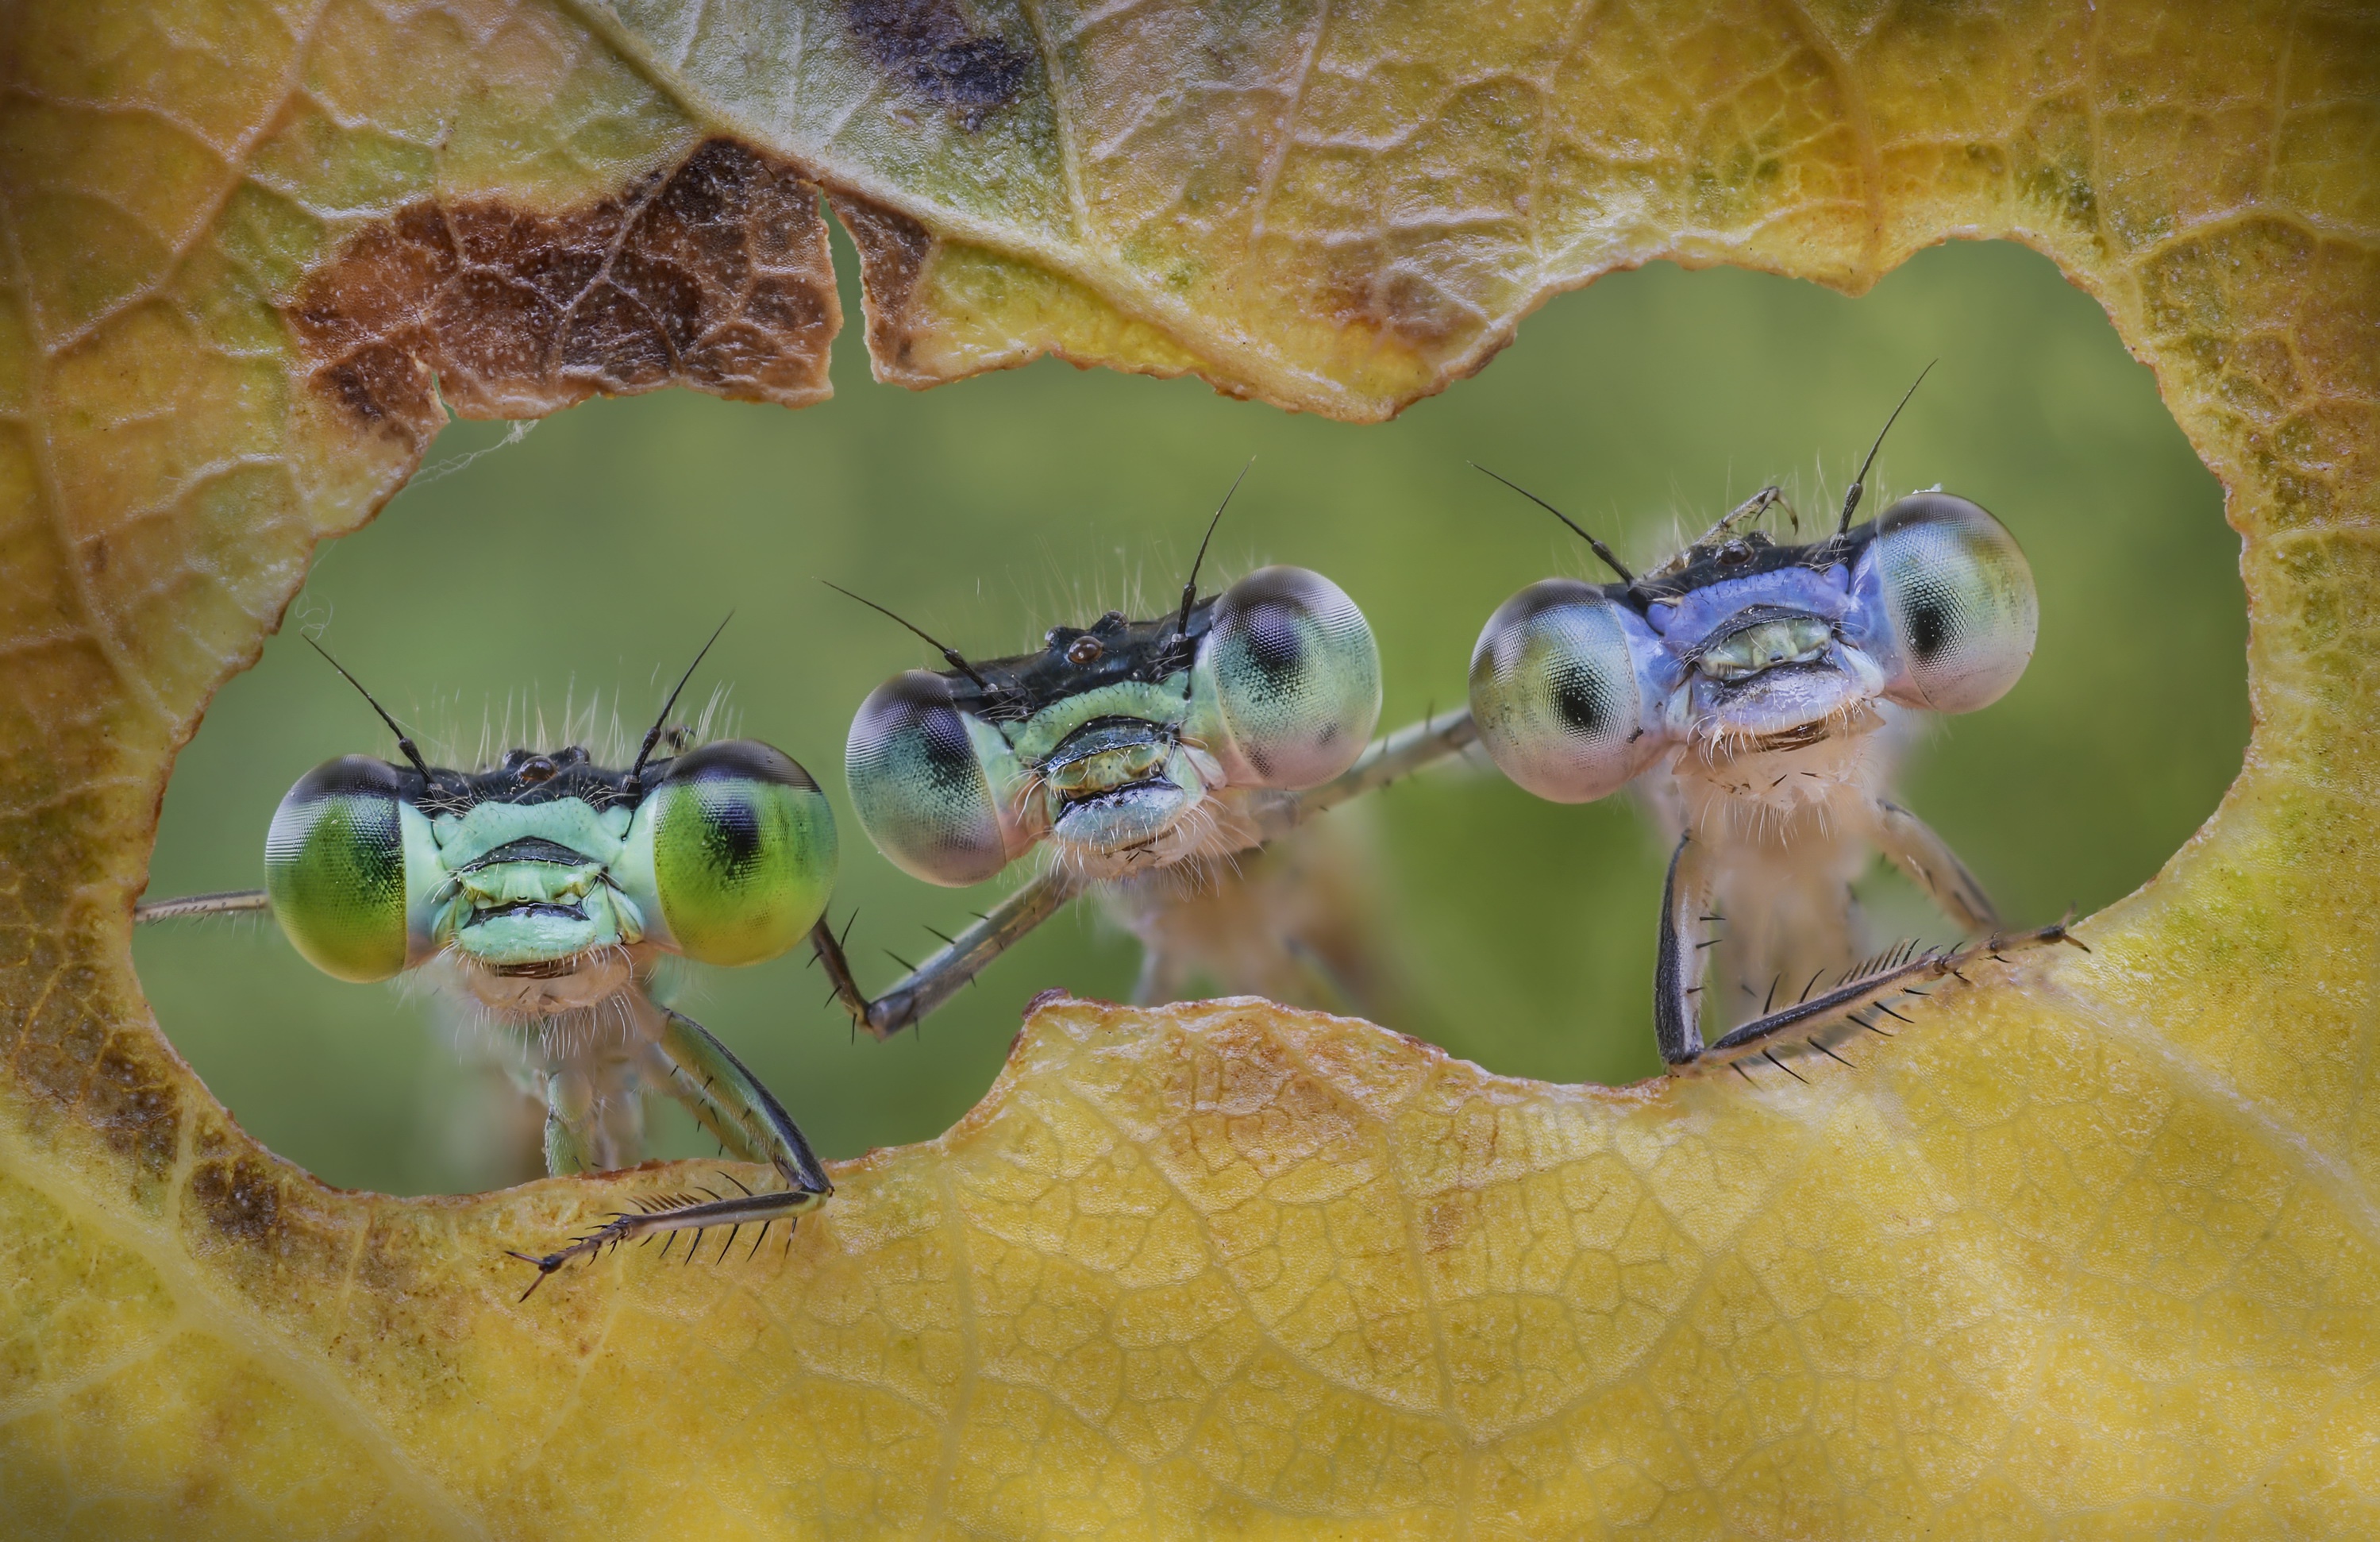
pixel 2090 1250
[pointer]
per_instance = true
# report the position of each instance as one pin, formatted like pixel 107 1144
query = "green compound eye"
pixel 1294 675
pixel 926 779
pixel 1961 600
pixel 334 868
pixel 742 847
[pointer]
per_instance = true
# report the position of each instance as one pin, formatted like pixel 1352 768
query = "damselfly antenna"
pixel 1859 483
pixel 1600 550
pixel 404 740
pixel 948 652
pixel 653 735
pixel 1190 586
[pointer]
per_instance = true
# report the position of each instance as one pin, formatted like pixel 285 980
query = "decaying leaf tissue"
pixel 2081 1243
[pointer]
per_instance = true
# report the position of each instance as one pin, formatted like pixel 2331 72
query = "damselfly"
pixel 542 894
pixel 1140 755
pixel 1743 684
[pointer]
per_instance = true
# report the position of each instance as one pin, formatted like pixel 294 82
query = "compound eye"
pixel 1555 692
pixel 919 780
pixel 742 851
pixel 334 868
pixel 1960 597
pixel 1294 675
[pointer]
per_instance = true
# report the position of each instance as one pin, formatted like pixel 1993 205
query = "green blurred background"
pixel 596 553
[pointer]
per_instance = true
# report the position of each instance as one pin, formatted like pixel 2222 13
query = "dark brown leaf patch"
pixel 238 1197
pixel 132 1101
pixel 713 274
pixel 893 251
pixel 927 46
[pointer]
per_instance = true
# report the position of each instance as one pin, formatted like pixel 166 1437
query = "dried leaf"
pixel 2089 1249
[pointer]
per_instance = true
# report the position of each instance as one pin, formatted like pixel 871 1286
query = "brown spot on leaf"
pixel 238 1197
pixel 1364 293
pixel 713 274
pixel 134 1103
pixel 927 46
pixel 893 250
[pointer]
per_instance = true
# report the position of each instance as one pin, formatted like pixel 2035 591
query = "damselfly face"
pixel 1741 647
pixel 546 878
pixel 1128 746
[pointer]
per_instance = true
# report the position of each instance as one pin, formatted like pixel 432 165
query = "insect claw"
pixel 545 1266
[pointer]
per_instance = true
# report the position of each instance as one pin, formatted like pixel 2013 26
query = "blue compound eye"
pixel 1555 692
pixel 1959 599
pixel 923 782
pixel 1294 677
pixel 334 868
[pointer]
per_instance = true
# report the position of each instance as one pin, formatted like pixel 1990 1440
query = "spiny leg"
pixel 1873 988
pixel 949 967
pixel 230 902
pixel 1930 863
pixel 1678 968
pixel 733 1104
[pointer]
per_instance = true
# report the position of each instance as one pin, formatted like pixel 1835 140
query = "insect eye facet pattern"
pixel 335 862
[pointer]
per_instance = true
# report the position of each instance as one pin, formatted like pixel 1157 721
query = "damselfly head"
pixel 1108 739
pixel 1741 644
pixel 529 868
